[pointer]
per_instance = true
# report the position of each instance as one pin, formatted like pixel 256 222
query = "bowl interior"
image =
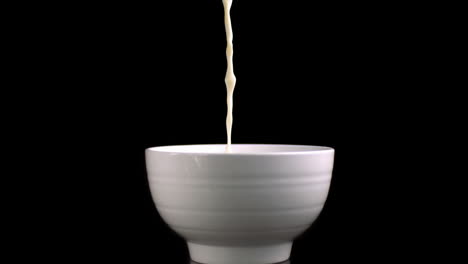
pixel 241 149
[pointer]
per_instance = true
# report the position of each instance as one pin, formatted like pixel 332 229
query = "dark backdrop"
pixel 109 81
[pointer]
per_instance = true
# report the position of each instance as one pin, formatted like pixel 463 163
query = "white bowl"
pixel 241 207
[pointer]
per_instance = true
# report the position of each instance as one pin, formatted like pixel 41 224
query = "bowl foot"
pixel 210 254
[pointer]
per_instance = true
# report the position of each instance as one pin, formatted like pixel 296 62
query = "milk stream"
pixel 230 79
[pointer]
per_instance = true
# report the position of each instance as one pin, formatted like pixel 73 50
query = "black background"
pixel 109 81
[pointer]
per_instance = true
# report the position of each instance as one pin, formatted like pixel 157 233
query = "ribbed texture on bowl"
pixel 239 200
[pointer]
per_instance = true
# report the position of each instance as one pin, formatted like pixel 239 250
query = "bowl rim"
pixel 300 149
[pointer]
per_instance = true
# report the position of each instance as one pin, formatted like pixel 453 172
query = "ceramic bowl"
pixel 241 207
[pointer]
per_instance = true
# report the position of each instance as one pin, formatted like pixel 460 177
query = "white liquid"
pixel 230 77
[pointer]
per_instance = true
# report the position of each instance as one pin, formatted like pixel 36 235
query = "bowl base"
pixel 210 254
